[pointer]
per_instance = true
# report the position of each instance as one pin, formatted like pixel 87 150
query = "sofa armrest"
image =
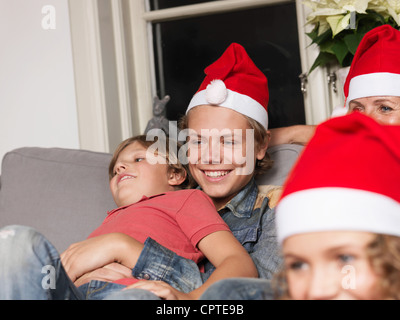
pixel 63 193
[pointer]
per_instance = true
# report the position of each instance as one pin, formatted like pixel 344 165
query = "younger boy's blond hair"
pixel 174 165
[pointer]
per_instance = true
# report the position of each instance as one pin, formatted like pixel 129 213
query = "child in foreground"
pixel 150 203
pixel 338 219
pixel 340 228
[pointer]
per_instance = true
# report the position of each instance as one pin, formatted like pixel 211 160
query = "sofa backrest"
pixel 64 193
pixel 284 157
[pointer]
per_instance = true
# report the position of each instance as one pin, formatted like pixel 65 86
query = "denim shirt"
pixel 251 217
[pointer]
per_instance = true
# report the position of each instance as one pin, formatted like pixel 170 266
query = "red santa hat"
pixel 234 82
pixel 375 69
pixel 347 178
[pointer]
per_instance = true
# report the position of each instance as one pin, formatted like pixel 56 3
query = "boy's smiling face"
pixel 134 177
pixel 218 154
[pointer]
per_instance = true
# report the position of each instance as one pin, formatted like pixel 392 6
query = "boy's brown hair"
pixel 173 164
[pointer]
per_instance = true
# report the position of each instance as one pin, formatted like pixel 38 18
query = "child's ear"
pixel 260 154
pixel 176 178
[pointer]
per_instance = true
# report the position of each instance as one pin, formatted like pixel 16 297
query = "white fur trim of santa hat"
pixel 221 97
pixel 374 84
pixel 336 209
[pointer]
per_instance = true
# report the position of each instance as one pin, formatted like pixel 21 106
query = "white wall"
pixel 37 94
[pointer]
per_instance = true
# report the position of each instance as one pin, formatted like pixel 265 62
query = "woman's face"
pixel 385 109
pixel 330 265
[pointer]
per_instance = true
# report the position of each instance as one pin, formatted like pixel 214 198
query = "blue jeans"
pixel 30 269
pixel 159 263
pixel 240 289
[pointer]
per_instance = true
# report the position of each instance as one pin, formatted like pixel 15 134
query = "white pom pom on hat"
pixel 216 92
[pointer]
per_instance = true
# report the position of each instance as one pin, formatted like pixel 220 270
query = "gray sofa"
pixel 64 193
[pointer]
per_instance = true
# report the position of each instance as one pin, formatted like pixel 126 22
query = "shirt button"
pixel 146 276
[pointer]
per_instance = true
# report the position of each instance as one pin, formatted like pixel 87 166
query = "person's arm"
pixel 266 252
pixel 94 253
pixel 299 134
pixel 228 256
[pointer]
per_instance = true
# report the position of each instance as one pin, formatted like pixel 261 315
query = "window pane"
pixel 165 4
pixel 185 47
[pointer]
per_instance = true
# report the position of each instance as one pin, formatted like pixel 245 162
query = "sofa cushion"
pixel 284 156
pixel 63 193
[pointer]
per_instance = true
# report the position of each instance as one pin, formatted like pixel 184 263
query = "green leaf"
pixel 327 46
pixel 322 38
pixel 313 34
pixel 352 41
pixel 340 50
pixel 322 59
pixel 367 22
pixel 376 16
pixel 347 60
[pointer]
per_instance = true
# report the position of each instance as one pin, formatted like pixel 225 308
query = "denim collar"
pixel 243 203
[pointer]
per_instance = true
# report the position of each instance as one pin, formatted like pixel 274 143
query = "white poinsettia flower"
pixel 381 4
pixel 311 4
pixel 323 27
pixel 354 5
pixel 324 12
pixel 395 15
pixel 393 8
pixel 338 23
pixel 379 9
pixel 394 4
pixel 322 8
pixel 325 8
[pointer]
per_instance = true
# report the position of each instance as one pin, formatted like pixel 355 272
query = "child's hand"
pixel 85 256
pixel 94 253
pixel 161 289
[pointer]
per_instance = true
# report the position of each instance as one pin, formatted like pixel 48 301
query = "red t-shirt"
pixel 178 220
